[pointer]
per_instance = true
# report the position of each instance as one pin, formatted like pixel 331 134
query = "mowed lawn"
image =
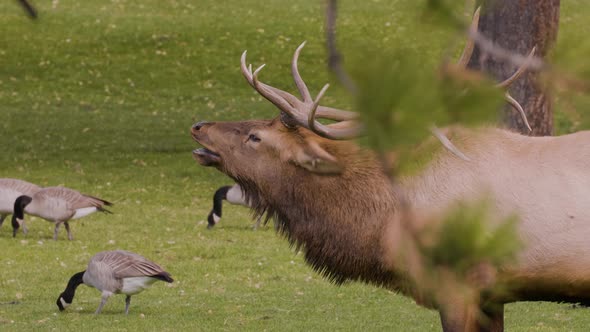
pixel 100 95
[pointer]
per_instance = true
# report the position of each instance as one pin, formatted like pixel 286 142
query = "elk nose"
pixel 197 126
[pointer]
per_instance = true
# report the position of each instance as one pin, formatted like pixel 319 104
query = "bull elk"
pixel 332 199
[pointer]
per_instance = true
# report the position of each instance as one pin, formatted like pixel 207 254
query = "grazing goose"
pixel 58 205
pixel 232 194
pixel 115 272
pixel 10 190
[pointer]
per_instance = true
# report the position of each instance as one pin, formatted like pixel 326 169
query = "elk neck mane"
pixel 336 220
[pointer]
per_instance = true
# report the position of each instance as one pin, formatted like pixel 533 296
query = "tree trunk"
pixel 520 25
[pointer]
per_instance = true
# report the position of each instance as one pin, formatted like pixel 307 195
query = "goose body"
pixel 10 190
pixel 57 205
pixel 115 272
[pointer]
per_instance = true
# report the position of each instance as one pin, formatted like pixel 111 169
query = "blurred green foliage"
pixel 401 95
pixel 466 238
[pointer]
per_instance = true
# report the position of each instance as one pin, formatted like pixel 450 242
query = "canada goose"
pixel 10 190
pixel 232 194
pixel 58 205
pixel 115 272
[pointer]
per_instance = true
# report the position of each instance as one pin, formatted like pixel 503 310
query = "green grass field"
pixel 99 96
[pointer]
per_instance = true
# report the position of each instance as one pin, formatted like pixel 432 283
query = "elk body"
pixel 333 200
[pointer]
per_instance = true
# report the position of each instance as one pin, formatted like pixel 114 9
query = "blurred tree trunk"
pixel 519 25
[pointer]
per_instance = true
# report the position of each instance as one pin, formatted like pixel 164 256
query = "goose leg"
pixel 70 237
pixel 57 224
pixel 105 296
pixel 127 303
pixel 2 217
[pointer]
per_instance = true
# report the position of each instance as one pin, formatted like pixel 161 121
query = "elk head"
pixel 294 141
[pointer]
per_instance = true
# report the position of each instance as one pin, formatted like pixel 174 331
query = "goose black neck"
pixel 19 212
pixel 19 206
pixel 219 196
pixel 68 294
pixel 15 224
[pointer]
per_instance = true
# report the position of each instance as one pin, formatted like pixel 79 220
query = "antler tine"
pixel 255 74
pixel 519 108
pixel 507 82
pixel 338 131
pixel 447 143
pixel 311 118
pixel 303 90
pixel 274 98
pixel 304 112
pixel 283 100
pixel 324 112
pixel 469 46
pixel 345 129
pixel 265 90
pixel 246 70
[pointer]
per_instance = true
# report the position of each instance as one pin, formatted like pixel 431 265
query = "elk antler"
pixel 470 45
pixel 507 82
pixel 304 112
pixel 466 56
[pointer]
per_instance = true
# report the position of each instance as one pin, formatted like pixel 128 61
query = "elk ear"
pixel 317 160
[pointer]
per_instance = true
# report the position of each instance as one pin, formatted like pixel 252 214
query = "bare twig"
pixel 533 63
pixel 28 8
pixel 334 57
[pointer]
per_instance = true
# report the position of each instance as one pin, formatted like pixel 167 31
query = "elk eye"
pixel 253 138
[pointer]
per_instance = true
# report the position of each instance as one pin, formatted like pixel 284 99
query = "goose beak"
pixel 62 304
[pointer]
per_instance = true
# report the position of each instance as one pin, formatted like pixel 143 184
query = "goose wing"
pixel 52 203
pixel 76 200
pixel 71 198
pixel 125 264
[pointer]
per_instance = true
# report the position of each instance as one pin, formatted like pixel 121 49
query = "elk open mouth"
pixel 206 157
